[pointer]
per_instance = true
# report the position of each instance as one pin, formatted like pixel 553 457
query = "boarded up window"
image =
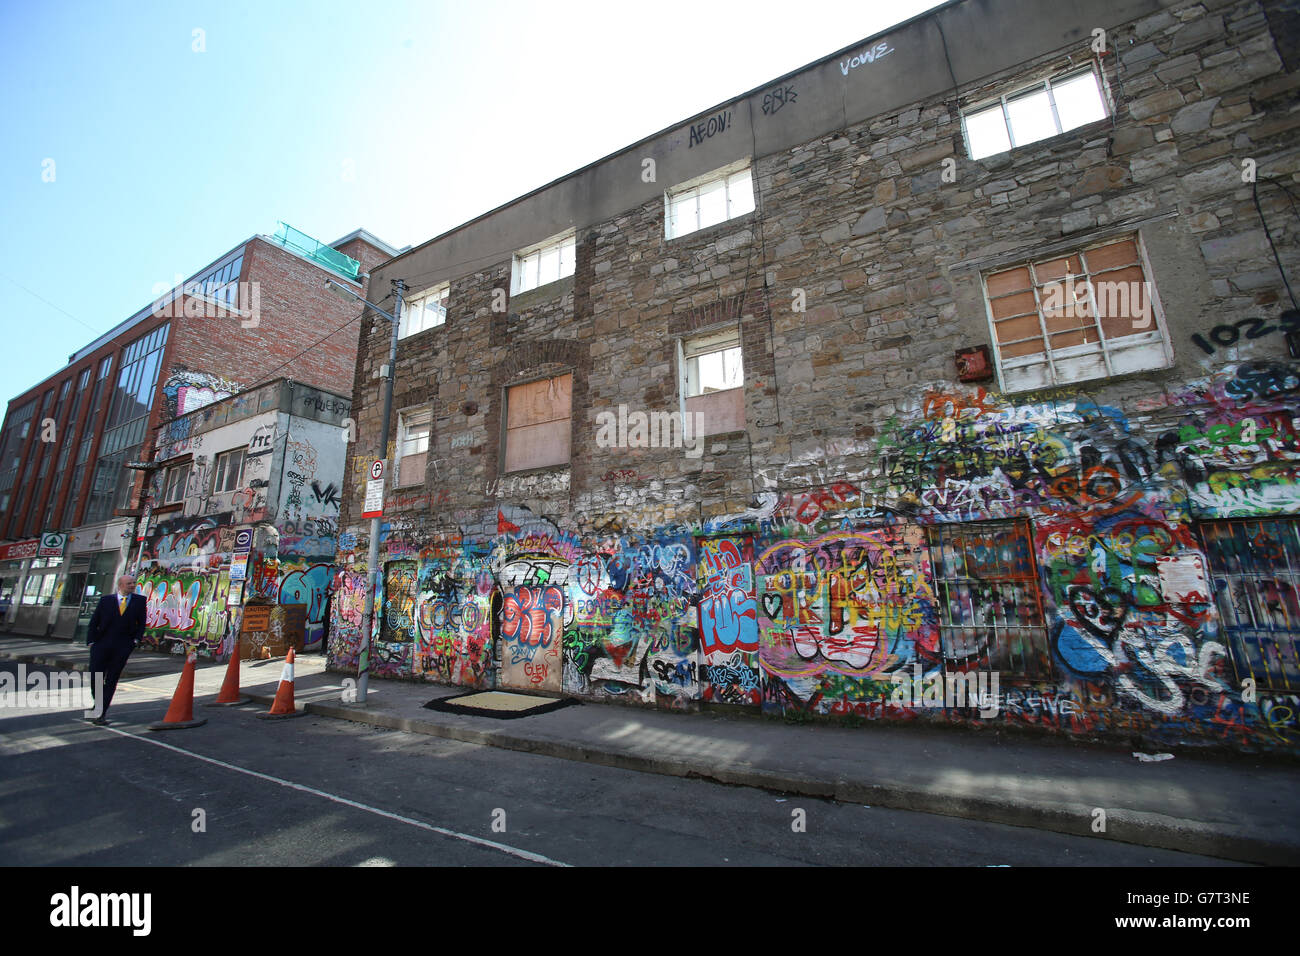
pixel 537 423
pixel 1090 314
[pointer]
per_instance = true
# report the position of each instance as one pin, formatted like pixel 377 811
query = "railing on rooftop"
pixel 305 245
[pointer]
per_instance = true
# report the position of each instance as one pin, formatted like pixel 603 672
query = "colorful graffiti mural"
pixel 1060 545
pixel 186 609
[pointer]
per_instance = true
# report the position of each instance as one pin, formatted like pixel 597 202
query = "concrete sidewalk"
pixel 1225 806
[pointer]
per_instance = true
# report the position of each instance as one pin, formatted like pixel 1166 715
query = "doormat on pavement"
pixel 495 703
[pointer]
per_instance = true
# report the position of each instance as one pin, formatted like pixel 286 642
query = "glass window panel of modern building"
pixel 221 284
pixel 128 417
pixel 12 438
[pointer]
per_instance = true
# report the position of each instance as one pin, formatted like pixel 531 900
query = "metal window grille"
pixel 1255 576
pixel 989 603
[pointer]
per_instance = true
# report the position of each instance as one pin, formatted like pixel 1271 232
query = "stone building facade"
pixel 913 432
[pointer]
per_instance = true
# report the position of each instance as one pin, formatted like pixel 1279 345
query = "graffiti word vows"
pixel 710 127
pixel 867 56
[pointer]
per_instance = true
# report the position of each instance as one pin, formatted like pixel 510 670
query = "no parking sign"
pixel 374 504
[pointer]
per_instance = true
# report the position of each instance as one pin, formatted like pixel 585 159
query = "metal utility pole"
pixel 372 557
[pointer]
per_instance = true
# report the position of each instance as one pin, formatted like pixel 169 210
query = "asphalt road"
pixel 316 791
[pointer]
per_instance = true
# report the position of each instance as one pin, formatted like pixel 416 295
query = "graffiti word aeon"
pixel 710 127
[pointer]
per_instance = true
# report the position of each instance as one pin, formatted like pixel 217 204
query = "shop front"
pixel 97 554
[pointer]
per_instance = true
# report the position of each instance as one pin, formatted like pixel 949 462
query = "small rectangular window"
pixel 425 311
pixel 413 432
pixel 226 474
pixel 174 484
pixel 1046 109
pixel 1254 579
pixel 713 381
pixel 721 195
pixel 545 263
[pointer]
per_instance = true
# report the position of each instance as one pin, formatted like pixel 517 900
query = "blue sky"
pixel 403 118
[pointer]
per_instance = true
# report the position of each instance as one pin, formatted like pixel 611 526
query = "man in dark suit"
pixel 115 629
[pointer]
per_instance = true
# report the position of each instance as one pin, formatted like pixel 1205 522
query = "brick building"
pixel 67 443
pixel 960 360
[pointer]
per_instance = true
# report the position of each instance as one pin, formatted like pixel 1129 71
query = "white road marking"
pixel 454 834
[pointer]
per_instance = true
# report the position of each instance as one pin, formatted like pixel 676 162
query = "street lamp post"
pixel 372 557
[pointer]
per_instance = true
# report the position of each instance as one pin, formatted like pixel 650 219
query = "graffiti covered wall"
pixel 285 487
pixel 1072 554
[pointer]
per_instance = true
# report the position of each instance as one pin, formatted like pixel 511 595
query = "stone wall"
pixel 879 526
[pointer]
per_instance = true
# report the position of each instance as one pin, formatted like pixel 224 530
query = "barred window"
pixel 990 606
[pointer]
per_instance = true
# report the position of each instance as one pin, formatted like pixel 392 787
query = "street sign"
pixel 374 503
pixel 243 541
pixel 19 549
pixel 238 567
pixel 52 544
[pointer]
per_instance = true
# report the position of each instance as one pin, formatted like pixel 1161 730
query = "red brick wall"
pixel 295 311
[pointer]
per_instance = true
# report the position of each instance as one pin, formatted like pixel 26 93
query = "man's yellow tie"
pixel 121 604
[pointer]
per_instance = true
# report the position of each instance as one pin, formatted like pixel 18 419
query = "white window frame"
pixel 428 310
pixel 220 470
pixel 408 421
pixel 677 225
pixel 1159 333
pixel 695 347
pixel 1099 75
pixel 169 483
pixel 526 268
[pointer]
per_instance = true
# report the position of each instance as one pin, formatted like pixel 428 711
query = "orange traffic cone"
pixel 282 706
pixel 230 694
pixel 181 712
